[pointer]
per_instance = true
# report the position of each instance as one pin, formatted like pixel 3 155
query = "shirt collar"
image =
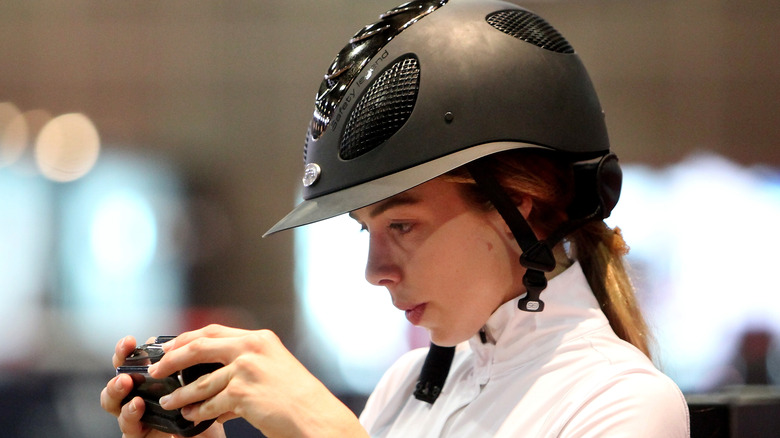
pixel 569 303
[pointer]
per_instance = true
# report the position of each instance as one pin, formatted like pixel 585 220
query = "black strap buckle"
pixel 535 282
pixel 434 373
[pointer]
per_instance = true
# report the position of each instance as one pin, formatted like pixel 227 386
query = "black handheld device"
pixel 151 389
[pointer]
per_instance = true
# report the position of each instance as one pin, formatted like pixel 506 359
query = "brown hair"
pixel 548 182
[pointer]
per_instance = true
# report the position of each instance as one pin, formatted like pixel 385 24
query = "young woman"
pixel 466 138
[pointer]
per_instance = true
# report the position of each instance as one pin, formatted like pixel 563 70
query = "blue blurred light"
pixel 124 234
pixel 353 320
pixel 25 246
pixel 703 235
pixel 115 280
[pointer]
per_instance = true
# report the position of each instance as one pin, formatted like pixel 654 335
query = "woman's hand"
pixel 129 415
pixel 261 381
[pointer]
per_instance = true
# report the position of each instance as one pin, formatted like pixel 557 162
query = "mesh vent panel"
pixel 382 111
pixel 530 28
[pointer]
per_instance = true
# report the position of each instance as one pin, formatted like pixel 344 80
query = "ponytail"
pixel 600 251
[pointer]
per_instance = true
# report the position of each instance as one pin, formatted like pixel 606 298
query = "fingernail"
pixel 164 400
pixel 168 345
pixel 132 407
pixel 151 368
pixel 118 384
pixel 186 411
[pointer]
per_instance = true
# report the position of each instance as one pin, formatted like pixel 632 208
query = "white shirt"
pixel 559 373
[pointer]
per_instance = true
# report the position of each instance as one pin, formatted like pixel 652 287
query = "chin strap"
pixel 537 255
pixel 434 373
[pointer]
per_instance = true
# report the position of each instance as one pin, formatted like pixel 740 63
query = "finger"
pixel 198 351
pixel 222 350
pixel 209 331
pixel 130 419
pixel 213 408
pixel 115 391
pixel 219 406
pixel 122 349
pixel 226 417
pixel 204 388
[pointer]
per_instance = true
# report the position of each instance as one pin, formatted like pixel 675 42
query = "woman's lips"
pixel 415 314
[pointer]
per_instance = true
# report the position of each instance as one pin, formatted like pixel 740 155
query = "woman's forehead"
pixel 405 198
pixel 426 191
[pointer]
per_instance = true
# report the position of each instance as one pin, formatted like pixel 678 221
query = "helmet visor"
pixel 361 195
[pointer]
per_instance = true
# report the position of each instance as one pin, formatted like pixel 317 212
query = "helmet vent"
pixel 383 109
pixel 306 144
pixel 530 28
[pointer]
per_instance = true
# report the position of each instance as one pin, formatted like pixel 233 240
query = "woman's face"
pixel 447 264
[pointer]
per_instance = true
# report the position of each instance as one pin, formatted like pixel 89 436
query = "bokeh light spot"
pixel 67 147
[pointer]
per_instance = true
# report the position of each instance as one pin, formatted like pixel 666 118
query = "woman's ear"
pixel 525 207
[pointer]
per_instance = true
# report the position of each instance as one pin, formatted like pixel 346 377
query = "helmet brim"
pixel 370 192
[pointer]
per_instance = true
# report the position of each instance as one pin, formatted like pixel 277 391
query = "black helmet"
pixel 436 84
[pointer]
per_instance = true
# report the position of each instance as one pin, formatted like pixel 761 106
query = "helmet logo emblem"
pixel 311 173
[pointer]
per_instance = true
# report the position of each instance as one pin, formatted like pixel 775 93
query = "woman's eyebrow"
pixel 396 201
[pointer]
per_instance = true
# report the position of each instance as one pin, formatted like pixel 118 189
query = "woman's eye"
pixel 401 227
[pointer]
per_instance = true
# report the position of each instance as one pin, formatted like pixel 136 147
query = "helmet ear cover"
pixel 597 188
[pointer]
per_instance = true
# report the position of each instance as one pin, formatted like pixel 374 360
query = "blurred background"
pixel 146 146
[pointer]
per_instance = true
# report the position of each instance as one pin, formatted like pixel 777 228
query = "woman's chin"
pixel 445 339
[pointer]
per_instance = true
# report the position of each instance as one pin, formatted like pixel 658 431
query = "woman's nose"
pixel 381 269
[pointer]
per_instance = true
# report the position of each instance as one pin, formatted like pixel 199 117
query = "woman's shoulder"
pixel 621 390
pixel 634 399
